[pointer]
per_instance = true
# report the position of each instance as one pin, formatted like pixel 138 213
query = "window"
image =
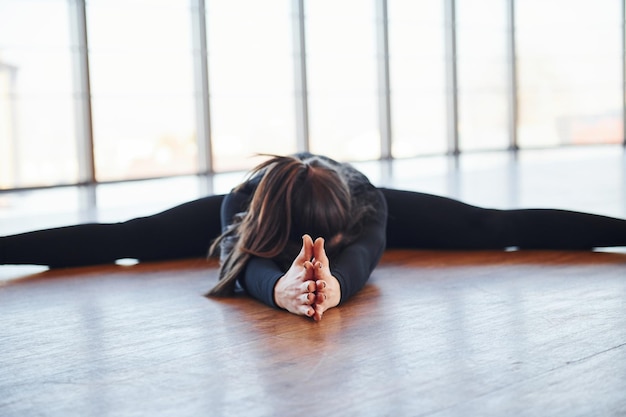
pixel 263 79
pixel 570 72
pixel 417 77
pixel 251 80
pixel 142 88
pixel 342 79
pixel 38 143
pixel 483 68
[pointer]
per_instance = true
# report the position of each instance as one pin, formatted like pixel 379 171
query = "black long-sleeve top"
pixel 352 266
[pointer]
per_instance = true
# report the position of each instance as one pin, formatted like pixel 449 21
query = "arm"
pixel 263 279
pixel 292 290
pixel 354 265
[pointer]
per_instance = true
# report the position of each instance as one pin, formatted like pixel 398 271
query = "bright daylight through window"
pixel 102 90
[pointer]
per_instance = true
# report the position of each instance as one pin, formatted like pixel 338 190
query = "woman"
pixel 264 230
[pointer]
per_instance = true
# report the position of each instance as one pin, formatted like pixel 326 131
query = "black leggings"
pixel 416 220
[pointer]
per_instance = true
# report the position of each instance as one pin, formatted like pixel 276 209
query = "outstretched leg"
pixel 418 220
pixel 180 232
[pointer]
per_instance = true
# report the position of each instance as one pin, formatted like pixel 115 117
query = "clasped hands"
pixel 308 288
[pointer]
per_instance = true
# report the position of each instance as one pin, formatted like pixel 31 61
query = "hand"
pixel 295 291
pixel 327 288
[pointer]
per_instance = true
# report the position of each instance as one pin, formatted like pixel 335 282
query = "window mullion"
pixel 300 78
pixel 451 78
pixel 384 96
pixel 84 125
pixel 201 73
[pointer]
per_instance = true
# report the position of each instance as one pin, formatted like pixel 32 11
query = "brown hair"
pixel 293 197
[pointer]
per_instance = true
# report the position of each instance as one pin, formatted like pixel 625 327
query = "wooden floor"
pixel 432 334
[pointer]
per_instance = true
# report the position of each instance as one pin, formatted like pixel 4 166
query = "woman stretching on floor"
pixel 264 229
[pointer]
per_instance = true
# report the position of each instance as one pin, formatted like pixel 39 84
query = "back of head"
pixel 295 197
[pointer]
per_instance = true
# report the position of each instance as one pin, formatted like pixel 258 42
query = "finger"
pixel 307 287
pixel 320 298
pixel 306 250
pixel 319 252
pixel 318 273
pixel 318 313
pixel 307 244
pixel 307 298
pixel 306 311
pixel 310 270
pixel 320 284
